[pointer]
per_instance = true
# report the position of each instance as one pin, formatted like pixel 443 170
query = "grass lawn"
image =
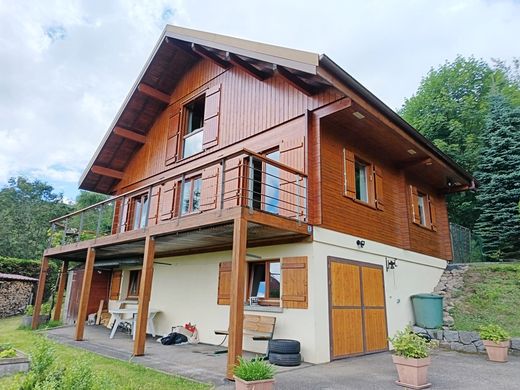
pixel 491 295
pixel 126 375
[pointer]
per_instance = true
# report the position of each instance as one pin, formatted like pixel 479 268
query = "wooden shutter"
pixel 115 284
pixel 292 153
pixel 378 177
pixel 209 188
pixel 224 283
pixel 153 209
pixel 172 142
pixel 117 211
pixel 211 117
pixel 233 177
pixel 167 200
pixel 433 215
pixel 294 282
pixel 416 218
pixel 349 173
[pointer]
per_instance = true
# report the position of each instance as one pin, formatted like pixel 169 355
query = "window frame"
pixel 260 199
pixel 368 170
pixel 138 272
pixel 267 300
pixel 427 203
pixel 191 180
pixel 370 175
pixel 144 211
pixel 185 123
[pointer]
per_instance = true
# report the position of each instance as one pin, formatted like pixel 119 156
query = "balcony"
pixel 191 212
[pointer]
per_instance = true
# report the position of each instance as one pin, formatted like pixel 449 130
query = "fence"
pixel 466 246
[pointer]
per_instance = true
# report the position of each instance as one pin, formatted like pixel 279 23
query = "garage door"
pixel 357 308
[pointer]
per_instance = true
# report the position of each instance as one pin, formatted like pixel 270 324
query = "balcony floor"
pixel 205 232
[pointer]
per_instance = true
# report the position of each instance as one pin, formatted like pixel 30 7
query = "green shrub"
pixel 29 310
pixel 7 351
pixel 45 309
pixel 410 345
pixel 255 369
pixel 50 324
pixel 493 332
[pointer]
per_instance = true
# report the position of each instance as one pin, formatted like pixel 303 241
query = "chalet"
pixel 250 178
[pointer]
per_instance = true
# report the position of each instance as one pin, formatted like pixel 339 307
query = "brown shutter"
pixel 349 167
pixel 378 176
pixel 233 177
pixel 153 209
pixel 292 153
pixel 115 284
pixel 416 218
pixel 172 142
pixel 294 282
pixel 209 188
pixel 224 283
pixel 117 211
pixel 211 117
pixel 167 200
pixel 433 216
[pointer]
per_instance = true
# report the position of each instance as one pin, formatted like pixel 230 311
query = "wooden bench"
pixel 260 328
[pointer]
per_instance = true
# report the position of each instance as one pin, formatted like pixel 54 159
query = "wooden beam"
pixel 332 108
pixel 295 81
pixel 85 294
pixel 129 134
pixel 184 48
pixel 39 295
pixel 210 56
pixel 247 67
pixel 61 290
pixel 103 171
pixel 154 93
pixel 236 307
pixel 415 162
pixel 145 289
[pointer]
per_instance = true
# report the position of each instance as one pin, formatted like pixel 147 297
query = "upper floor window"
pixel 193 134
pixel 190 195
pixel 266 183
pixel 361 181
pixel 423 209
pixel 139 211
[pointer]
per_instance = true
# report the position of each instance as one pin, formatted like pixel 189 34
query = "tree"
pixel 25 210
pixel 498 223
pixel 450 108
pixel 87 198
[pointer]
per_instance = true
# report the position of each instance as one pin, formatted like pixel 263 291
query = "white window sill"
pixel 267 309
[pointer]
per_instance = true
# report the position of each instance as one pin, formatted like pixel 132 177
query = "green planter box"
pixel 427 309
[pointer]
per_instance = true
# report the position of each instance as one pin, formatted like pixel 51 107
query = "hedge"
pixel 31 268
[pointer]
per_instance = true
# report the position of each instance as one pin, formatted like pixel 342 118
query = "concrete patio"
pixel 449 370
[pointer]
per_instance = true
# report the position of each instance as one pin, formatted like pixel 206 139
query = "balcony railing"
pixel 243 178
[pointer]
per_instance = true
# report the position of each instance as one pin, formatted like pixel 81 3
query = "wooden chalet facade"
pixel 242 170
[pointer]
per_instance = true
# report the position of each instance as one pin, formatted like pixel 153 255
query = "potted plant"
pixel 45 314
pixel 411 358
pixel 254 374
pixel 496 340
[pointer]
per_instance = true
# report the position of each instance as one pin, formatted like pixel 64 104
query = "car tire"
pixel 284 346
pixel 285 359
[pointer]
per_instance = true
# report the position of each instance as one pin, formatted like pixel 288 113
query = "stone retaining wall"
pixel 450 284
pixel 14 296
pixel 462 341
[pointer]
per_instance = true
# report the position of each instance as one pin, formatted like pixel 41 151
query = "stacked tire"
pixel 284 352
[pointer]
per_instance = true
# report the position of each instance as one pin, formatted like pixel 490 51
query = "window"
pixel 422 212
pixel 139 212
pixel 361 181
pixel 190 198
pixel 133 284
pixel 266 183
pixel 193 134
pixel 423 209
pixel 264 282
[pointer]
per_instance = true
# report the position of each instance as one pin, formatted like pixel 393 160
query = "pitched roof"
pixel 182 48
pixel 17 277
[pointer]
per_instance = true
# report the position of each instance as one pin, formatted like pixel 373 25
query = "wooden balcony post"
pixel 236 307
pixel 61 289
pixel 145 289
pixel 85 294
pixel 39 295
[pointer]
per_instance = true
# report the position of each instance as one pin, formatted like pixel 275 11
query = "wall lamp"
pixel 390 264
pixel 360 243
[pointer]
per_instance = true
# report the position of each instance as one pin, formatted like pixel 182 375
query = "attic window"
pixel 193 135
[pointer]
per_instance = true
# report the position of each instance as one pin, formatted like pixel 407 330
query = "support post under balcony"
pixel 39 294
pixel 61 290
pixel 85 294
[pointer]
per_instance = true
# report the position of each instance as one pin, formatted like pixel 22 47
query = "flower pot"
pixel 497 352
pixel 42 319
pixel 413 373
pixel 19 363
pixel 267 384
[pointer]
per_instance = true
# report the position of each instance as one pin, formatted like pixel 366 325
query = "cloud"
pixel 67 65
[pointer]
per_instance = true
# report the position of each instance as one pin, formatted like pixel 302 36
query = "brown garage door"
pixel 357 308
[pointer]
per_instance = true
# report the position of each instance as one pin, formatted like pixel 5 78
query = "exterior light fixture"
pixel 358 115
pixel 390 264
pixel 360 243
pixel 411 151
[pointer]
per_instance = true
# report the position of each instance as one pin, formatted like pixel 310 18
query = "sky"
pixel 66 66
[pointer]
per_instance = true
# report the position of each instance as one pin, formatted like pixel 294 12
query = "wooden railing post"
pixel 85 294
pixel 61 289
pixel 236 307
pixel 39 295
pixel 145 289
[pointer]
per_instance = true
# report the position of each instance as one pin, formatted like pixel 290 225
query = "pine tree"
pixel 498 196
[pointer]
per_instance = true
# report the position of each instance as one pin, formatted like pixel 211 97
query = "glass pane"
pixel 137 213
pixel 144 212
pixel 361 182
pixel 196 194
pixel 257 184
pixel 258 280
pixel 274 280
pixel 195 115
pixel 272 185
pixel 185 198
pixel 420 204
pixel 193 144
